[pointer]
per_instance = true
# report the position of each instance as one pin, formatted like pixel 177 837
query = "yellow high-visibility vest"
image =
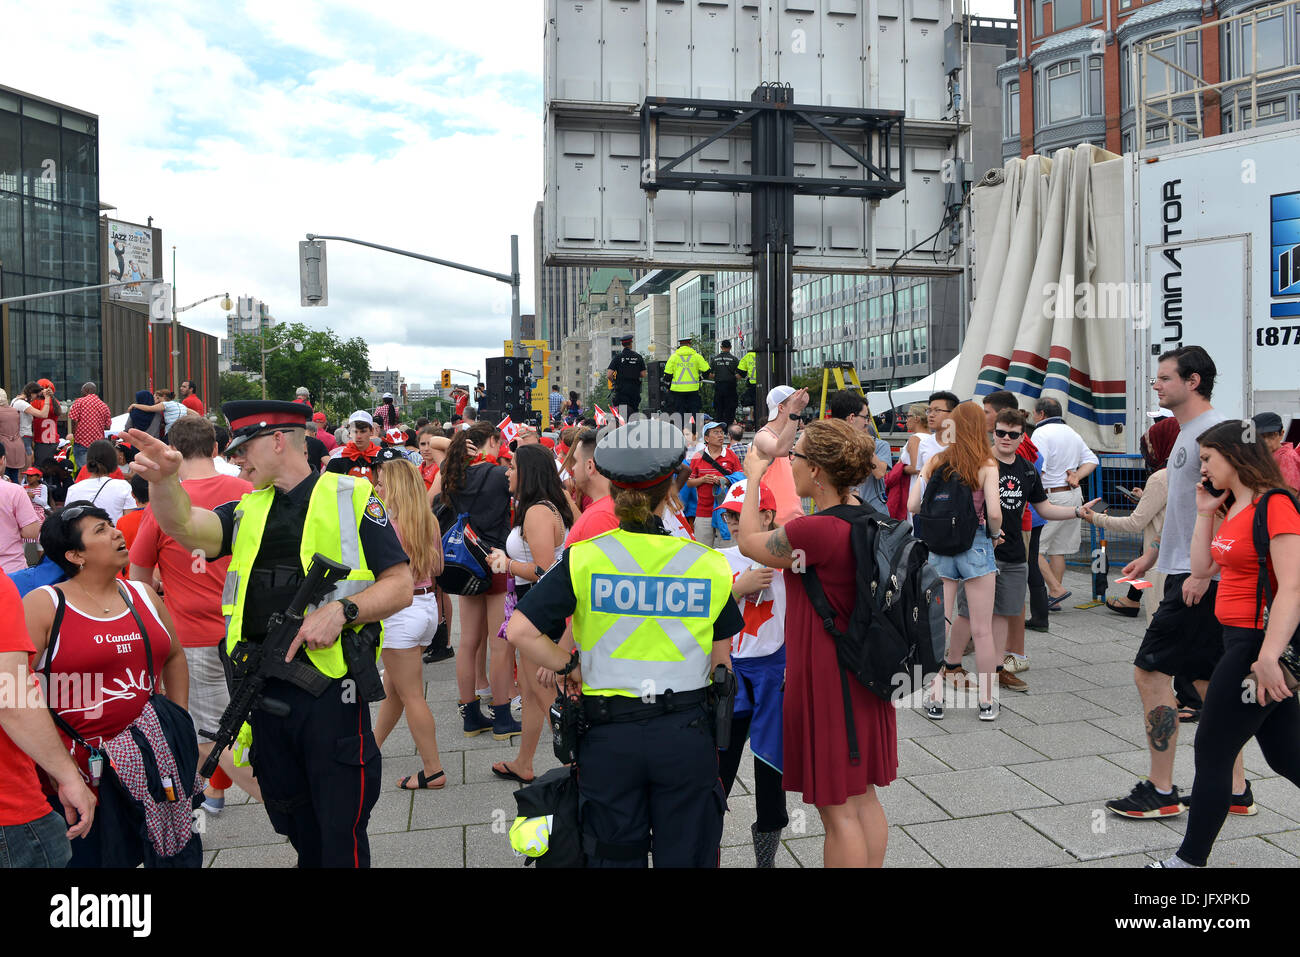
pixel 645 610
pixel 685 366
pixel 333 528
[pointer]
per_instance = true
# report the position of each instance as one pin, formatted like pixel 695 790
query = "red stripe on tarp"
pixel 996 361
pixel 1031 359
pixel 1059 352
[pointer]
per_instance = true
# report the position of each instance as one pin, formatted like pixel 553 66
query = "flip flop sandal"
pixel 1055 603
pixel 423 783
pixel 1189 715
pixel 1128 611
pixel 508 775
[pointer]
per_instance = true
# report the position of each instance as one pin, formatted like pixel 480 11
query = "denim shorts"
pixel 972 563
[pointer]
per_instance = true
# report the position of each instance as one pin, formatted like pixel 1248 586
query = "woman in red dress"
pixel 827 461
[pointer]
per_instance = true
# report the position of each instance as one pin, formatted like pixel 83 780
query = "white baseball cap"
pixel 776 396
pixel 362 416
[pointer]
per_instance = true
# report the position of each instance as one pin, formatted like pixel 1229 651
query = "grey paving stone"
pixel 435 847
pixel 1069 740
pixel 980 749
pixel 489 847
pixel 1128 727
pixel 807 851
pixel 1289 841
pixel 743 857
pixel 981 791
pixel 241 826
pixel 1053 708
pixel 1139 763
pixel 1043 659
pixel 1070 780
pixel 392 812
pixel 1089 831
pixel 262 855
pixel 1121 701
pixel 467 804
pixel 904 804
pixel 1037 642
pixel 440 691
pixel 1053 681
pixel 1235 826
pixel 914 759
pixel 1123 861
pixel 1099 652
pixel 398 745
pixel 741 813
pixel 995 840
pixel 805 821
pixel 1111 674
pixel 903 851
pixel 478 764
pixel 1250 852
pixel 207 858
pixel 1278 794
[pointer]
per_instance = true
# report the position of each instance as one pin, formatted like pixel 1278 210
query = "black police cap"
pixel 388 453
pixel 250 418
pixel 640 454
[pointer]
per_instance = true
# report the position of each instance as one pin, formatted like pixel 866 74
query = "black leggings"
pixel 768 794
pixel 1227 723
pixel 1037 587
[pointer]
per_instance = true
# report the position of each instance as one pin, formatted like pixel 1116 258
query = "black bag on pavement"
pixel 555 795
pixel 947 521
pixel 895 634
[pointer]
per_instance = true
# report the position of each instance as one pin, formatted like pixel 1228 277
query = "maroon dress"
pixel 816 741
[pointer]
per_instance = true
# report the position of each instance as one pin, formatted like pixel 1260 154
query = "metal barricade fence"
pixel 1115 471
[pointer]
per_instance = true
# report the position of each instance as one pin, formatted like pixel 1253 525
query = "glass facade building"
pixel 49 239
pixel 905 335
pixel 696 313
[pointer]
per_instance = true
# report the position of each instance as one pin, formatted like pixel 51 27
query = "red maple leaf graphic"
pixel 755 615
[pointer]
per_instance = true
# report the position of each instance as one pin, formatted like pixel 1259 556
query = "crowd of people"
pixel 149 601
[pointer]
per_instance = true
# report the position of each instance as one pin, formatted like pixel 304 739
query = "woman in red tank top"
pixel 99 676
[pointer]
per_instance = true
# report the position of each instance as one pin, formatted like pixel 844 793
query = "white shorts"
pixel 413 626
pixel 208 692
pixel 1062 538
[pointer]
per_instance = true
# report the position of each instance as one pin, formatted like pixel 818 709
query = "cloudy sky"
pixel 242 126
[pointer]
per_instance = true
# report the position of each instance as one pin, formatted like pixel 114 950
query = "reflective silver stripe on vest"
pixel 349 536
pixel 601 669
pixel 231 587
pixel 344 589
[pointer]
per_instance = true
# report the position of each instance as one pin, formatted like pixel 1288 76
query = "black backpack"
pixel 895 637
pixel 1290 658
pixel 947 521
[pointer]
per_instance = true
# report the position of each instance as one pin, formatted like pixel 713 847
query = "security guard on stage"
pixel 724 368
pixel 627 369
pixel 318 766
pixel 685 366
pixel 652 618
pixel 747 371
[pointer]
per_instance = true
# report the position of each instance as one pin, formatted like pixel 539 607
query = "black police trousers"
pixel 684 403
pixel 632 400
pixel 724 401
pixel 656 779
pixel 319 770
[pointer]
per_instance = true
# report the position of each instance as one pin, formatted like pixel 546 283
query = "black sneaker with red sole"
pixel 1144 801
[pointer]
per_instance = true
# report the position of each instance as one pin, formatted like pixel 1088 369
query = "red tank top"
pixel 109 652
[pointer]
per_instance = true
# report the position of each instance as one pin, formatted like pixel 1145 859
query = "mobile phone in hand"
pixel 1209 487
pixel 1129 493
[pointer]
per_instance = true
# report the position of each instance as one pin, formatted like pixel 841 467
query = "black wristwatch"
pixel 573 663
pixel 350 610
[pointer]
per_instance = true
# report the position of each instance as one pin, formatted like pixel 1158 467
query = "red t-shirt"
pixel 47 429
pixel 1233 550
pixel 111 649
pixel 195 403
pixel 704 493
pixel 191 588
pixel 461 403
pixel 83 475
pixel 21 798
pixel 129 525
pixel 594 520
pixel 429 472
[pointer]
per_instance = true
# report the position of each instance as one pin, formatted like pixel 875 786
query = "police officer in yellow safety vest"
pixel 748 370
pixel 652 617
pixel 318 766
pixel 685 367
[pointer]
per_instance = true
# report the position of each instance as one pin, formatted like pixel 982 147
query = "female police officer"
pixel 652 616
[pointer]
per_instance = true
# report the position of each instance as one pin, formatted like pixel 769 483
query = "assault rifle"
pixel 253 662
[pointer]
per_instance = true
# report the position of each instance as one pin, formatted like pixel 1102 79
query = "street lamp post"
pixel 297 347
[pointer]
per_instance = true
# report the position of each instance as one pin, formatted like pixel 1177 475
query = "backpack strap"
pixel 822 606
pixel 1260 539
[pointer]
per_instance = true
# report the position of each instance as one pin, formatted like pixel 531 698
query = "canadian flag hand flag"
pixel 613 410
pixel 509 431
pixel 600 415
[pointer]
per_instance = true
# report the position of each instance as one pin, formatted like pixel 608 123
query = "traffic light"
pixel 446 378
pixel 311 273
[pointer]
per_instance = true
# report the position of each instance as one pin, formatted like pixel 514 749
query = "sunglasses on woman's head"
pixel 1004 434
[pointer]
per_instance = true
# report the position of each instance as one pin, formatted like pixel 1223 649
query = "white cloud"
pixel 240 131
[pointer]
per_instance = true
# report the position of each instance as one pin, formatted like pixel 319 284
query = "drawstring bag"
pixel 464 560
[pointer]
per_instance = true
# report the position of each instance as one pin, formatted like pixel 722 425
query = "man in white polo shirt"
pixel 1067 461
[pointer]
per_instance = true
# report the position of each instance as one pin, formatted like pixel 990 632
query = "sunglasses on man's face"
pixel 1004 434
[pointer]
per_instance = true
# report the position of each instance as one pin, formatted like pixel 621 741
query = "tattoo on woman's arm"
pixel 778 544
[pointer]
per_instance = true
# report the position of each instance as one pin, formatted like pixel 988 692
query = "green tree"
pixel 335 370
pixel 234 386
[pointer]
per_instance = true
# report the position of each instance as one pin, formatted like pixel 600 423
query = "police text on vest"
pixel 651 596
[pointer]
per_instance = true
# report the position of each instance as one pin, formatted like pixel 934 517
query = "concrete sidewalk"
pixel 1027 790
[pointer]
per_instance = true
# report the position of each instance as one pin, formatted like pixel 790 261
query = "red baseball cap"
pixel 45 383
pixel 735 497
pixel 318 417
pixel 32 471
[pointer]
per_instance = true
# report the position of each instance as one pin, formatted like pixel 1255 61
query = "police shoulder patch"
pixel 375 511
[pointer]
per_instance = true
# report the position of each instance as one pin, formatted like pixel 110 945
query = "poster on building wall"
pixel 129 257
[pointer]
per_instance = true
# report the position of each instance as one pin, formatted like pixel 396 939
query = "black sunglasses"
pixel 1004 434
pixel 798 455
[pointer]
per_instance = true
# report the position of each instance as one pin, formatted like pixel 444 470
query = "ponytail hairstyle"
pixel 456 464
pixel 404 497
pixel 969 451
pixel 636 506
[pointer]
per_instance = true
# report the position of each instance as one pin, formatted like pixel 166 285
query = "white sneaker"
pixel 517 708
pixel 989 712
pixel 1015 665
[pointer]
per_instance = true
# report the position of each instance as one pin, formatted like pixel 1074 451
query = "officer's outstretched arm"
pixel 194 528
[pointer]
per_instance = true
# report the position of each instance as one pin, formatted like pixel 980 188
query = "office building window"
pixel 1067 13
pixel 1038 16
pixel 1011 111
pixel 1095 106
pixel 919 295
pixel 1064 92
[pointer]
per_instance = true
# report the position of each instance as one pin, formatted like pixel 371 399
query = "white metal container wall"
pixel 598 54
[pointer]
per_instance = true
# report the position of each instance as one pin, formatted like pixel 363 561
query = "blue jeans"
pixel 79 453
pixel 39 843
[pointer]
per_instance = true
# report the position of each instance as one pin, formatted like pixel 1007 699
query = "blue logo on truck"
pixel 1284 248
